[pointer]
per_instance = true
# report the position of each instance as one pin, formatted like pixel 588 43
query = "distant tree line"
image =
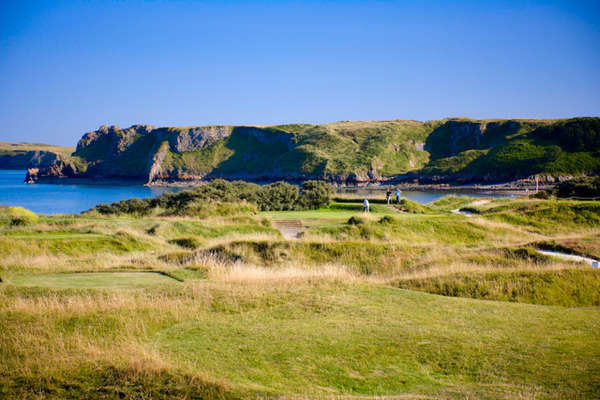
pixel 226 197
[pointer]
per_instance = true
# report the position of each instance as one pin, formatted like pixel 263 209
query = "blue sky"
pixel 67 67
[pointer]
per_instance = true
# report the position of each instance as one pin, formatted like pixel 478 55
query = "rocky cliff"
pixel 456 149
pixel 29 159
pixel 28 155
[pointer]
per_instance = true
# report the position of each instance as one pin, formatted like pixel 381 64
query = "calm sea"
pixel 64 198
pixel 72 198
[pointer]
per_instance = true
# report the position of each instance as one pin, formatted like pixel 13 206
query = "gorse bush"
pixel 223 198
pixel 579 187
pixel 17 216
pixel 314 195
pixel 278 196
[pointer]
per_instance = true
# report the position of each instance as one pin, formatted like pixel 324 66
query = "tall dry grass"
pixel 464 267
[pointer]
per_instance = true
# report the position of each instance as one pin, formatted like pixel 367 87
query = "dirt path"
pixel 289 228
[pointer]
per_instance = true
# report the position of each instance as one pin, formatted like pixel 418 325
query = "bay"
pixel 65 198
pixel 73 198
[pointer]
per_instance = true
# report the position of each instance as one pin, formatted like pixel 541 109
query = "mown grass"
pixel 115 280
pixel 313 339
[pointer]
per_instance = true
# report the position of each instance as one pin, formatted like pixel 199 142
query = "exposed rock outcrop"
pixel 195 139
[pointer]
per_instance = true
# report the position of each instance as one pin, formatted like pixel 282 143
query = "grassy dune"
pixel 223 307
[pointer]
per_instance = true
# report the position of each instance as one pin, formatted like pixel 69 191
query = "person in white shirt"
pixel 366 205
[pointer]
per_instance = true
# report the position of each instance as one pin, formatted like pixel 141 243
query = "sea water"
pixel 73 198
pixel 65 198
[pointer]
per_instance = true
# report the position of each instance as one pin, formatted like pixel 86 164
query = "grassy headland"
pixel 31 155
pixel 454 150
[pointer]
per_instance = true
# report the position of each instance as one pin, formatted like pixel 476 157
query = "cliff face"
pixel 31 155
pixel 28 159
pixel 354 152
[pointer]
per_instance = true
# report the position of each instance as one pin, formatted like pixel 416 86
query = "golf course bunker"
pixel 91 280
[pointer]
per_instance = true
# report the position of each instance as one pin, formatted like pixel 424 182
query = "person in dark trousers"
pixel 388 196
pixel 398 192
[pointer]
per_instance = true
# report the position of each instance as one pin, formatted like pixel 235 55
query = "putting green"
pixel 125 280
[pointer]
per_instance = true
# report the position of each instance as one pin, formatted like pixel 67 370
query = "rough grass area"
pixel 317 339
pixel 545 216
pixel 70 243
pixel 114 280
pixel 570 288
pixel 241 312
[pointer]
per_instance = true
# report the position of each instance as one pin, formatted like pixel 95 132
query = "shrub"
pixel 186 242
pixel 18 216
pixel 579 187
pixel 278 196
pixel 220 197
pixel 542 194
pixel 356 221
pixel 410 206
pixel 387 220
pixel 315 195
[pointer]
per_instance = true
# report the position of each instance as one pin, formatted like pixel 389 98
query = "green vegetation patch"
pixel 109 381
pixel 70 243
pixel 17 216
pixel 584 187
pixel 375 341
pixel 94 280
pixel 223 198
pixel 186 242
pixel 410 228
pixel 571 288
pixel 546 216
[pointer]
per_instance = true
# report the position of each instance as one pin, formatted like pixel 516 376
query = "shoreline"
pixel 508 188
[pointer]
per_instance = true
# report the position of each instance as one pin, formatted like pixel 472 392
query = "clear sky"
pixel 67 67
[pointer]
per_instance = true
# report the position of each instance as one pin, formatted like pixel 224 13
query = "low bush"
pixel 356 221
pixel 542 194
pixel 585 187
pixel 278 196
pixel 410 206
pixel 223 198
pixel 17 216
pixel 186 242
pixel 315 195
pixel 388 220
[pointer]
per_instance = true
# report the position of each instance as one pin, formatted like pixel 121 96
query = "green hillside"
pixel 456 149
pixel 516 148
